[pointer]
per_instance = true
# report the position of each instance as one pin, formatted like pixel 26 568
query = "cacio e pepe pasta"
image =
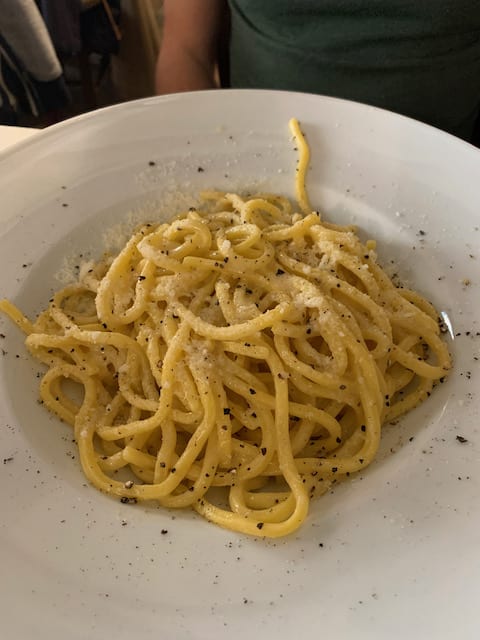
pixel 237 361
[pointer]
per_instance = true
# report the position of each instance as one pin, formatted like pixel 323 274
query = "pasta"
pixel 237 360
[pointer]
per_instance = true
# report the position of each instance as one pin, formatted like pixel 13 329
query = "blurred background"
pixel 59 58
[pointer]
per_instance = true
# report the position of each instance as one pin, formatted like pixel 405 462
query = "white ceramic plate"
pixel 392 554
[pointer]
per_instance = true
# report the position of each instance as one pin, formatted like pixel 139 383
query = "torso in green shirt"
pixel 420 58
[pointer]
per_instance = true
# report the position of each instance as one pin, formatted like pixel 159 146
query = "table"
pixel 12 135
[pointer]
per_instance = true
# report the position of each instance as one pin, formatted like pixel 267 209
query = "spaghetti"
pixel 238 360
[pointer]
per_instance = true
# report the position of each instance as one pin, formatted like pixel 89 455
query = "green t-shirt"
pixel 420 58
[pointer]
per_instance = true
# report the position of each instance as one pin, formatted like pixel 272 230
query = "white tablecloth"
pixel 11 135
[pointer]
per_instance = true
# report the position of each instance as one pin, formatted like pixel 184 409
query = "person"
pixel 31 77
pixel 420 59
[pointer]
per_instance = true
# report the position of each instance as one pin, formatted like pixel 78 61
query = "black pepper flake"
pixel 279 272
pixel 200 169
pixel 252 391
pixel 363 428
pixel 338 440
pixel 260 525
pixel 461 439
pixel 226 411
pixel 264 451
pixel 164 532
pixel 334 469
pixel 141 278
pixel 6 460
pixel 151 163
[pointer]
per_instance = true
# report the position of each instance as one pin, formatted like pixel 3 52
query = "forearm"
pixel 179 70
pixel 187 58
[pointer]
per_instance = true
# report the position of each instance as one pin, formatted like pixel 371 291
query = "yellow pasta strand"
pixel 302 166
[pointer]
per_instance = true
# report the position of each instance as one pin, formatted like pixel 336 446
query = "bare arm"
pixel 189 46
